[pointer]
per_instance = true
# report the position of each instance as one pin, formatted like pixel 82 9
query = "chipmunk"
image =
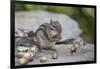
pixel 47 35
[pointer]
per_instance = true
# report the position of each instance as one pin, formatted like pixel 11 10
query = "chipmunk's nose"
pixel 84 44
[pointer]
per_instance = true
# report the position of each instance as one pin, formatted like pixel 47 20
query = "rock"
pixel 33 49
pixel 24 41
pixel 32 20
pixel 22 49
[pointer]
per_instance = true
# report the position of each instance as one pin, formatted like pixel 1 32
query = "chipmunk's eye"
pixel 54 26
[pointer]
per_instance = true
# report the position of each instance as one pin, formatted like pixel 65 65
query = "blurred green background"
pixel 84 16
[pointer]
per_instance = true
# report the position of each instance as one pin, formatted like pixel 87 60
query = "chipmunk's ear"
pixel 51 21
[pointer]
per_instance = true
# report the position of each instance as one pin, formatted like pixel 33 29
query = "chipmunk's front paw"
pixel 53 49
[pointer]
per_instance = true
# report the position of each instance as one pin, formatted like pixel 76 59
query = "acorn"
pixel 43 59
pixel 55 55
pixel 72 50
pixel 76 45
pixel 28 56
pixel 30 59
pixel 23 61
